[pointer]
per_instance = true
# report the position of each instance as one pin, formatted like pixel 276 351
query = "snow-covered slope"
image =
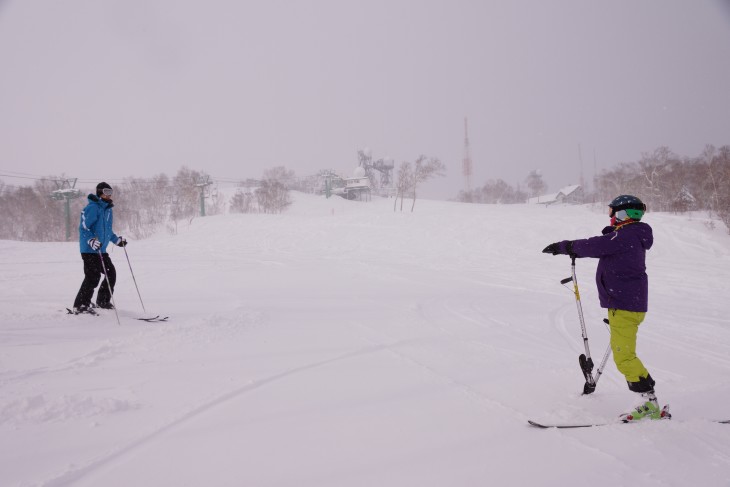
pixel 342 344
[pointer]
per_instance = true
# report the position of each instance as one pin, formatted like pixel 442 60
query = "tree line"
pixel 500 192
pixel 662 179
pixel 147 205
pixel 668 182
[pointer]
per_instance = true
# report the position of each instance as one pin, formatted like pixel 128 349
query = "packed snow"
pixel 344 344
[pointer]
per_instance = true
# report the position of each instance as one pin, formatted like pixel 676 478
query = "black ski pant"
pixel 93 271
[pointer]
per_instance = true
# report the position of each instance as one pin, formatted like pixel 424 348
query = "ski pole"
pixel 135 280
pixel 599 371
pixel 585 360
pixel 111 291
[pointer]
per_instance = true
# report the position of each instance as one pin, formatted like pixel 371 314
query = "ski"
pixel 93 312
pixel 596 425
pixel 567 426
pixel 155 319
pixel 89 312
pixel 664 415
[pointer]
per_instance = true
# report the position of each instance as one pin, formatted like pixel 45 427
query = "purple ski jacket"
pixel 621 274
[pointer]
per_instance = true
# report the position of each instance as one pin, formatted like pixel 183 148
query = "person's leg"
pixel 92 272
pixel 104 296
pixel 624 327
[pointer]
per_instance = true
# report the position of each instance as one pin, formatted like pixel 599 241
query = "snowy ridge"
pixel 343 344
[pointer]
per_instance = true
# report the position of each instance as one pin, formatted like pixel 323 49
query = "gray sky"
pixel 103 89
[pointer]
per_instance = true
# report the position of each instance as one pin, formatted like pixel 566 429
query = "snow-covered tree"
pixel 535 183
pixel 404 180
pixel 423 170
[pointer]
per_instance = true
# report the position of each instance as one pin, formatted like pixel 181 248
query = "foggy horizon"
pixel 113 89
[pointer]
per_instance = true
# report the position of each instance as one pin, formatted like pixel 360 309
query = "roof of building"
pixel 568 190
pixel 547 199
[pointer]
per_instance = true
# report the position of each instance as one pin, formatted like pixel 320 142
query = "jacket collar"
pixel 623 223
pixel 101 202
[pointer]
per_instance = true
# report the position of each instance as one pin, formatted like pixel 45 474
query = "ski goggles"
pixel 107 191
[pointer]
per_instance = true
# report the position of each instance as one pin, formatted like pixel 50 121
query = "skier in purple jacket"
pixel 623 289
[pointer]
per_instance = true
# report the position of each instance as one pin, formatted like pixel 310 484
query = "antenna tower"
pixel 466 166
pixel 582 181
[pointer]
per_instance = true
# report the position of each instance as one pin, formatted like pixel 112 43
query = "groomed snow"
pixel 342 344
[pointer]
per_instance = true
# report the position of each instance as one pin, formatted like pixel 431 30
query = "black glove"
pixel 553 248
pixel 121 242
pixel 94 243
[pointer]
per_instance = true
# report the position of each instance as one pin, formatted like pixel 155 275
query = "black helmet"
pixel 632 205
pixel 101 187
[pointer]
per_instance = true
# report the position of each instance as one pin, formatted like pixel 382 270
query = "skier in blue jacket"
pixel 623 289
pixel 95 233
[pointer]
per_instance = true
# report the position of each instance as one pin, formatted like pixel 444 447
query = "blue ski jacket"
pixel 96 221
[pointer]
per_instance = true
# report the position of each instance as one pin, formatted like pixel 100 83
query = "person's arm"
pixel 608 244
pixel 89 216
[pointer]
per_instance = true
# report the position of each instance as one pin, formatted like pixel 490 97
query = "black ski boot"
pixel 83 310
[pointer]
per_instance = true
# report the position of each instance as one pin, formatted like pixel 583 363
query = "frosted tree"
pixel 404 180
pixel 243 202
pixel 535 184
pixel 273 193
pixel 423 170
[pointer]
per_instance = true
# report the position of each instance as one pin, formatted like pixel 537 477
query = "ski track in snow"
pixel 441 331
pixel 79 473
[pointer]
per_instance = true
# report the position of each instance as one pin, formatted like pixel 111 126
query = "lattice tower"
pixel 466 165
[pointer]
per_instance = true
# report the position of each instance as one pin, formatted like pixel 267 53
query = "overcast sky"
pixel 104 89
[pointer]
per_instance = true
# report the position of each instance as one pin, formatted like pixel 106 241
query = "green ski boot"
pixel 648 409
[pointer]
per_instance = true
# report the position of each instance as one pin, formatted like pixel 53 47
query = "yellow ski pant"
pixel 624 327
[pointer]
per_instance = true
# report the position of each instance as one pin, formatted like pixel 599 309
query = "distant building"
pixel 570 194
pixel 358 186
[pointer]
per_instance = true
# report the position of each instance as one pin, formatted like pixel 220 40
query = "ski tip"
pixel 568 426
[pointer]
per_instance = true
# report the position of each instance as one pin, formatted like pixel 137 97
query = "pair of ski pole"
pixel 585 360
pixel 111 293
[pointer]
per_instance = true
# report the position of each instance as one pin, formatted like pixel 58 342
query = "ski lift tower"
pixel 384 166
pixel 202 183
pixel 66 192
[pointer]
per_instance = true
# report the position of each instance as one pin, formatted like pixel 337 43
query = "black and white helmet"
pixel 627 206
